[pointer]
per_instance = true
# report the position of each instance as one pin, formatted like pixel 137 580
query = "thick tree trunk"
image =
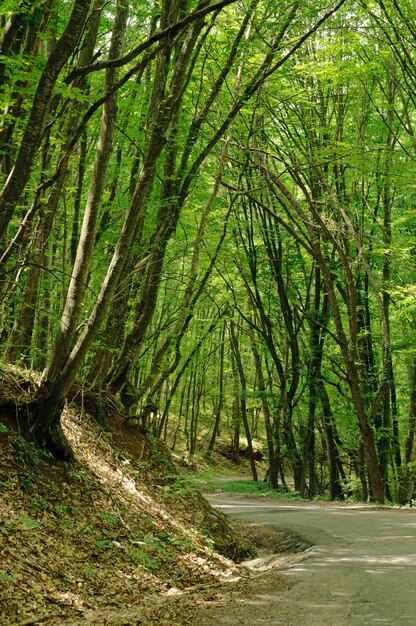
pixel 169 205
pixel 45 425
pixel 70 363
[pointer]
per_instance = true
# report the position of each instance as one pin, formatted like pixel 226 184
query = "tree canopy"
pixel 207 215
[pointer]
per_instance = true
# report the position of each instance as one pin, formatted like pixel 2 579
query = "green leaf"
pixel 30 523
pixel 110 519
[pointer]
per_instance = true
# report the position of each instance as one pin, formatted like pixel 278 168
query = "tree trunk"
pixel 86 244
pixel 273 469
pixel 407 473
pixel 334 461
pixel 236 417
pixel 45 426
pixel 243 405
pixel 17 180
pixel 217 417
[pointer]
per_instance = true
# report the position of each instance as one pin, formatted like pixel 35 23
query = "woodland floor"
pixel 116 537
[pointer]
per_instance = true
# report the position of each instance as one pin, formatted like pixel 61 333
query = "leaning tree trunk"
pixel 80 272
pixel 21 336
pixel 119 379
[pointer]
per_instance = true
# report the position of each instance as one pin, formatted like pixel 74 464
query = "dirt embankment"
pixel 115 537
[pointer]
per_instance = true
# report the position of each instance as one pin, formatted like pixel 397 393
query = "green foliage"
pixel 142 559
pixel 247 486
pixel 333 124
pixel 28 457
pixel 102 544
pixel 30 523
pixel 177 485
pixel 27 452
pixel 111 520
pixel 61 509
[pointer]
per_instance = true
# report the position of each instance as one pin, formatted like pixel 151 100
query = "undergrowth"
pixel 209 483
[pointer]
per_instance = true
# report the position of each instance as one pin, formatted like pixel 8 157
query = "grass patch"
pixel 246 486
pixel 259 488
pixel 203 481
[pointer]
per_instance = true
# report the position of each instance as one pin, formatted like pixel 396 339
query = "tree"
pixel 193 181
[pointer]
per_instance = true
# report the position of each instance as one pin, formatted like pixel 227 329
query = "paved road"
pixel 361 570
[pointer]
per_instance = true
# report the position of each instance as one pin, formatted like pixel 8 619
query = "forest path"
pixel 361 569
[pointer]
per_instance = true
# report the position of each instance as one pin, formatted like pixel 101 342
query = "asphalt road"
pixel 361 569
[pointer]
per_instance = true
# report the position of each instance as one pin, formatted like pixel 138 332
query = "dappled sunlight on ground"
pixel 409 560
pixel 361 570
pixel 99 456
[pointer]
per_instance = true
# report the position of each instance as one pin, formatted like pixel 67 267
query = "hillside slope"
pixel 115 537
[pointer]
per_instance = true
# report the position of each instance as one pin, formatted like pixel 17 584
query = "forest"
pixel 207 226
